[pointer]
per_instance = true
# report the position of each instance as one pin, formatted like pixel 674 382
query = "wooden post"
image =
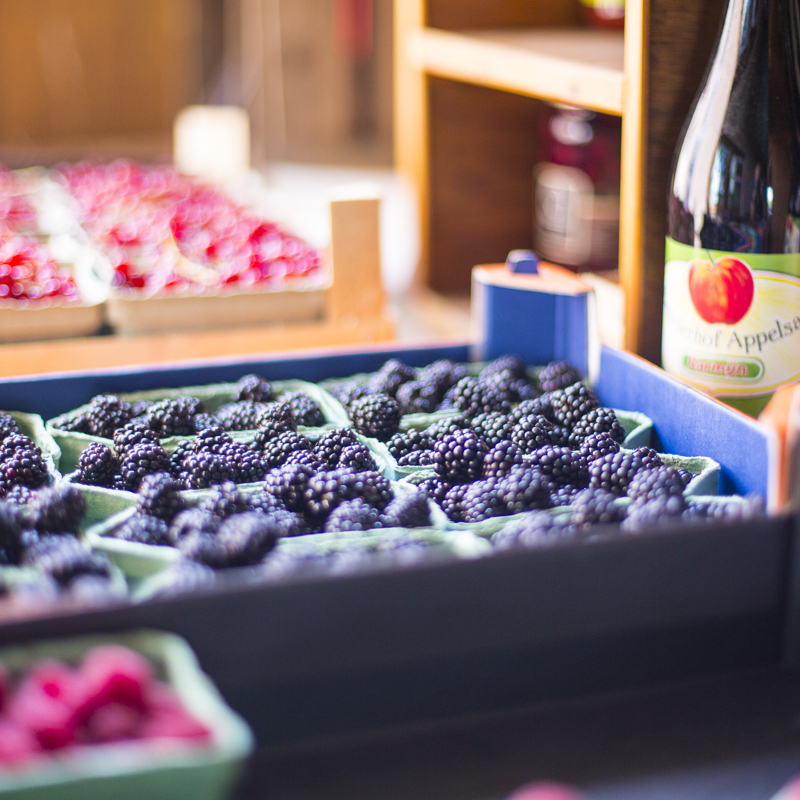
pixel 357 290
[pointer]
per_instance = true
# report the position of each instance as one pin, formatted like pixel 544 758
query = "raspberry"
pixel 18 745
pixel 52 722
pixel 114 673
pixel 114 722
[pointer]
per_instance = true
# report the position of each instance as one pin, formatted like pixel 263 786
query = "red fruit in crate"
pixel 60 682
pixel 51 721
pixel 789 792
pixel 114 722
pixel 5 685
pixel 546 791
pixel 116 674
pixel 18 746
pixel 721 291
pixel 166 717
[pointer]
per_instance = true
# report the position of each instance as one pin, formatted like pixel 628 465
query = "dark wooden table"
pixel 734 737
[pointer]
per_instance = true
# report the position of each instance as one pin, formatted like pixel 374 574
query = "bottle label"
pixel 731 320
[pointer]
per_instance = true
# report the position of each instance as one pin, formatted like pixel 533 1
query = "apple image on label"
pixel 722 290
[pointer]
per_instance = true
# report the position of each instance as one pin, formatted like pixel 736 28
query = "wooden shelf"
pixel 580 67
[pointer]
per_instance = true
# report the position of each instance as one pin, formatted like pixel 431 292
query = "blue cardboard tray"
pixel 311 657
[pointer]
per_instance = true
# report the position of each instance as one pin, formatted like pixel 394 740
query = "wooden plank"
pixel 357 289
pixel 109 352
pixel 452 14
pixel 581 67
pixel 411 142
pixel 633 159
pixel 483 147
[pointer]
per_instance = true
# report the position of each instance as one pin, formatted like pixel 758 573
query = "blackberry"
pixel 288 483
pixel 408 510
pixel 686 476
pixel 97 465
pixel 357 457
pixel 662 510
pixel 276 451
pixel 448 426
pixel 21 495
pixel 482 500
pixel 500 460
pixel 572 403
pixel 189 522
pixel 453 502
pixel 15 443
pixel 326 490
pixel 143 459
pixel 524 489
pixel 417 458
pixel 411 441
pixel 304 410
pixel 306 457
pixel 415 397
pixel 347 393
pixel 434 488
pixel 8 426
pixel 76 421
pixel 443 374
pixel 12 521
pixel 614 472
pixel 145 529
pixel 352 515
pixel 648 484
pixel 185 576
pixel 64 558
pixel 530 433
pixel 511 364
pixel 180 452
pixel 596 507
pixel 253 387
pixel 159 496
pixel 596 445
pixel 275 419
pixel 243 415
pixel 224 501
pixel 376 415
pixel 58 509
pixel 92 589
pixel 563 495
pixel 458 458
pixel 174 417
pixel 328 448
pixel 264 502
pixel 533 530
pixel 134 432
pixel 242 540
pixel 510 387
pixel 204 469
pixel 106 413
pixel 211 439
pixel 390 377
pixel 25 466
pixel 558 375
pixel 562 465
pixel 471 397
pixel 749 507
pixel 246 465
pixel 599 420
pixel 493 427
pixel 538 407
pixel 139 408
pixel 203 421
